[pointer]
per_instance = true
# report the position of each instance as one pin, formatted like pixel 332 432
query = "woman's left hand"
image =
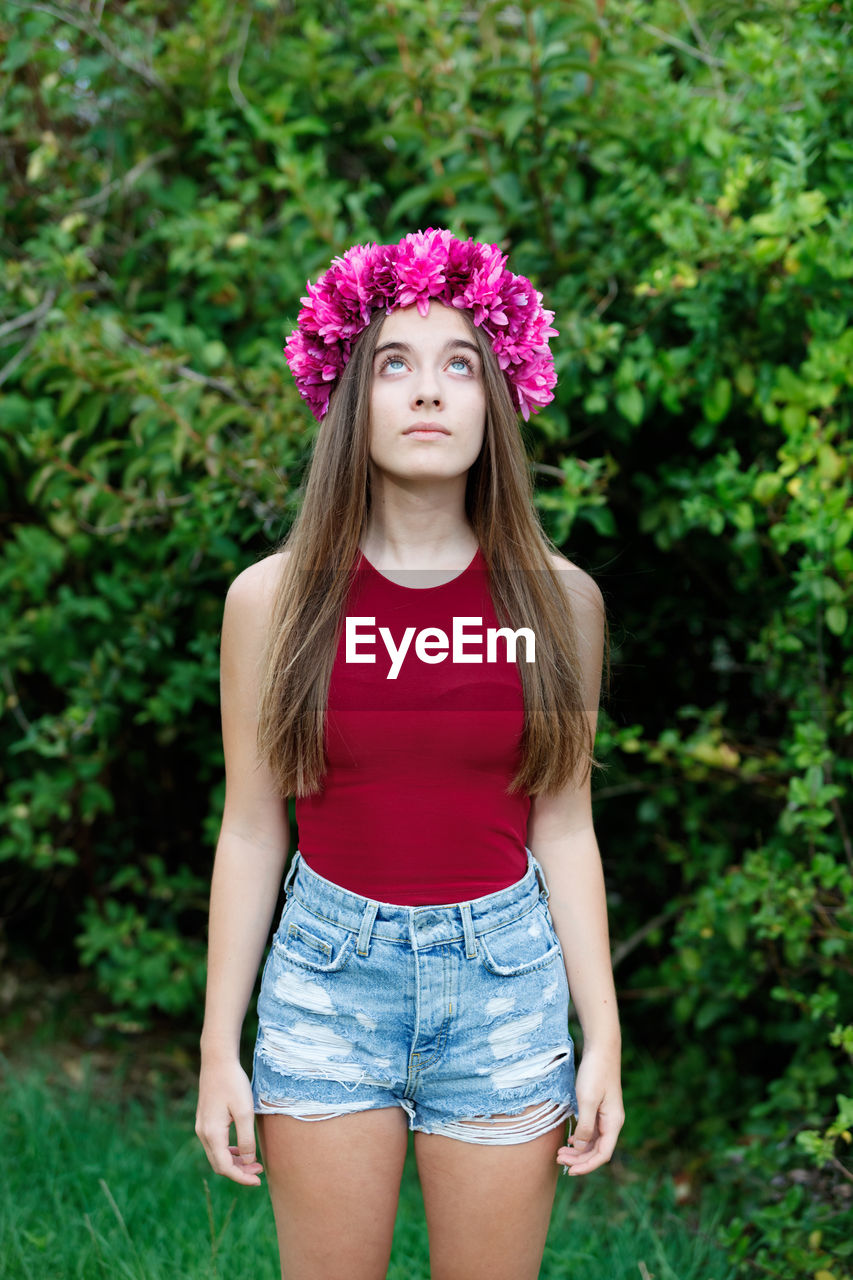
pixel 600 1114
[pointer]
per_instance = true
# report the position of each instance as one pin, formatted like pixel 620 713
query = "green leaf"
pixel 514 119
pixel 629 402
pixel 601 519
pixel 836 619
pixel 717 401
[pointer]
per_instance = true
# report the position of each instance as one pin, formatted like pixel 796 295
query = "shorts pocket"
pixel 312 942
pixel 522 945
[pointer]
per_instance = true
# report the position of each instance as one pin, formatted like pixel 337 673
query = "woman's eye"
pixel 394 364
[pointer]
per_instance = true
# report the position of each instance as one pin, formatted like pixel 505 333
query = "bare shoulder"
pixel 589 618
pixel 260 577
pixel 254 589
pixel 581 587
pixel 246 623
pixel 249 606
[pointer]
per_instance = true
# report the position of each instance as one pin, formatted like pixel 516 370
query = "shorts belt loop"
pixel 544 891
pixel 294 865
pixel 366 927
pixel 468 927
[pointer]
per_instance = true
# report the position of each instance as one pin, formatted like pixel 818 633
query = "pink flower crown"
pixel 426 264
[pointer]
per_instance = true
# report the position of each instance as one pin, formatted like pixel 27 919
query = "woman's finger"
pixel 244 1123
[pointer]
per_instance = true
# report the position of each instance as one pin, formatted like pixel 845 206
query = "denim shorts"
pixel 458 1013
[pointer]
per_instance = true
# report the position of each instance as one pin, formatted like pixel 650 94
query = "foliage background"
pixel 676 178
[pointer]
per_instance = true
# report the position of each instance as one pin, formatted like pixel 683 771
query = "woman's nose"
pixel 426 390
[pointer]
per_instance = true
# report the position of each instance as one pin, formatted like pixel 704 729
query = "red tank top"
pixel 414 807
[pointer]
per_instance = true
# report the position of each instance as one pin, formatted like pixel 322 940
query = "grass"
pixel 104 1179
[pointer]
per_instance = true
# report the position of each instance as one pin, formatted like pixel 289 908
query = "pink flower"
pixel 423 265
pixel 421 259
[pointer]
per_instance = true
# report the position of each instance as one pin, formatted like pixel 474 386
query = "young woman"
pixel 421 670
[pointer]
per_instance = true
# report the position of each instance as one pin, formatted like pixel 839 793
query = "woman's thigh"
pixel 488 1206
pixel 334 1186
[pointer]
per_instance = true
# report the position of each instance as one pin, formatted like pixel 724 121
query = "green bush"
pixel 677 181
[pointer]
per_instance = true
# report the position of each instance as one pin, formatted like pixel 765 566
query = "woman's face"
pixel 427 399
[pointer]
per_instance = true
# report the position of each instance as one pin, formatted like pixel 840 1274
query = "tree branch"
pixel 623 949
pixel 90 28
pixel 19 356
pixel 13 702
pixel 29 317
pixel 237 61
pixel 126 181
pixel 192 375
pixel 707 58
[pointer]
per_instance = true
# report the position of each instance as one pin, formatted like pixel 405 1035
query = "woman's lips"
pixel 427 430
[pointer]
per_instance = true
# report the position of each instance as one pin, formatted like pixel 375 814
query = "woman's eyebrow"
pixel 453 344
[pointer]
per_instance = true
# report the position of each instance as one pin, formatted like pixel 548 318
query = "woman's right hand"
pixel 225 1097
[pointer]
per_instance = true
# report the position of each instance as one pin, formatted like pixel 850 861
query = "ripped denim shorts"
pixel 457 1013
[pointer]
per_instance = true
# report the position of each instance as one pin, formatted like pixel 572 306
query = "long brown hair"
pixel 323 543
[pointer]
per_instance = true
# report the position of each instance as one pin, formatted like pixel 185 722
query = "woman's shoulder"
pixel 576 581
pixel 255 588
pixel 261 575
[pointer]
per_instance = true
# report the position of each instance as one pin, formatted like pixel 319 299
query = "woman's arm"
pixel 561 836
pixel 250 856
